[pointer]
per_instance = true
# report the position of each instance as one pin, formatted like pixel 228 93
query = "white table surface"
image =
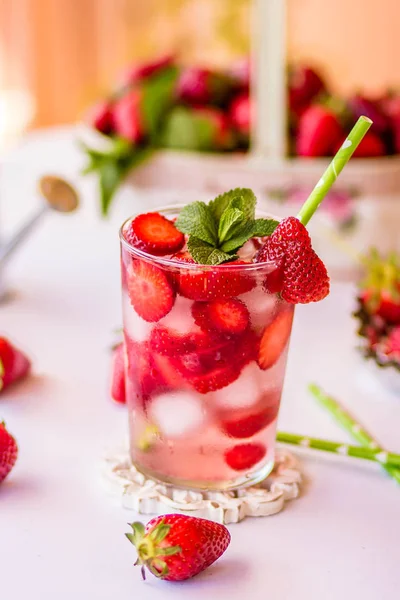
pixel 61 535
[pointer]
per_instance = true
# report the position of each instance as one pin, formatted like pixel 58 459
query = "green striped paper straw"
pixel 349 423
pixel 332 172
pixel 375 455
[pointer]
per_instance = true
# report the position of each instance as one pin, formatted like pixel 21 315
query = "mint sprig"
pixel 113 165
pixel 219 229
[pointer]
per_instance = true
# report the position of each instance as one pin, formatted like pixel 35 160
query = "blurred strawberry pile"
pixel 163 105
pixel 379 309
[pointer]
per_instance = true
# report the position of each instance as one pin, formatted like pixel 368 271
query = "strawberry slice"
pixel 166 369
pixel 216 379
pixel 155 234
pixel 245 456
pixel 274 339
pixel 221 366
pixel 118 375
pixel 143 372
pixel 170 343
pixel 14 365
pixel 212 284
pixel 249 425
pixel 150 291
pixel 230 316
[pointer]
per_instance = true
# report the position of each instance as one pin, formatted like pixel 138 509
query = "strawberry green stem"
pixel 332 172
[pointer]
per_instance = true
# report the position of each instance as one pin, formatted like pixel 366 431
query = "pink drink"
pixel 203 402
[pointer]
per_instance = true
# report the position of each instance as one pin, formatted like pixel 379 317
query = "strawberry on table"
pixel 245 456
pixel 155 234
pixel 14 365
pixel 305 278
pixel 118 375
pixel 8 452
pixel 177 547
pixel 151 294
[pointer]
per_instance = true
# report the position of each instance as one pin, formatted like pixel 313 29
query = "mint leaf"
pixel 263 227
pixel 240 237
pixel 206 254
pixel 256 228
pixel 230 218
pixel 222 202
pixel 196 219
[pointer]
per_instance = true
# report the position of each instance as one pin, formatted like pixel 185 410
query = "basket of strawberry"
pixel 189 110
pixel 379 315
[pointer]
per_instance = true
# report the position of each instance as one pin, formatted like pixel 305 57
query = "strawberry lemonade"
pixel 208 300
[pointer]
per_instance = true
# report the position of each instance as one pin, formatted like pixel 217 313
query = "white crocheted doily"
pixel 146 496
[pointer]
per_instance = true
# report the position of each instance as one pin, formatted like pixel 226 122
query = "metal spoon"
pixel 58 195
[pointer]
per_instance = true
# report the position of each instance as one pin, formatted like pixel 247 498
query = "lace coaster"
pixel 147 497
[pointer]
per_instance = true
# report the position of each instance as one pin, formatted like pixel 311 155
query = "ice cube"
pixel 247 251
pixel 177 414
pixel 180 319
pixel 243 392
pixel 137 328
pixel 262 307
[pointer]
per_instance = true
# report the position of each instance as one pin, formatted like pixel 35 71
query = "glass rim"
pixel 180 264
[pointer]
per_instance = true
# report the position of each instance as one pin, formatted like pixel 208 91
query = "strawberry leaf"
pixel 158 567
pixel 160 532
pixel 168 551
pixel 130 537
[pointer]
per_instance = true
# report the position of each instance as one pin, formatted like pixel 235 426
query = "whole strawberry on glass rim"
pixel 208 293
pixel 177 547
